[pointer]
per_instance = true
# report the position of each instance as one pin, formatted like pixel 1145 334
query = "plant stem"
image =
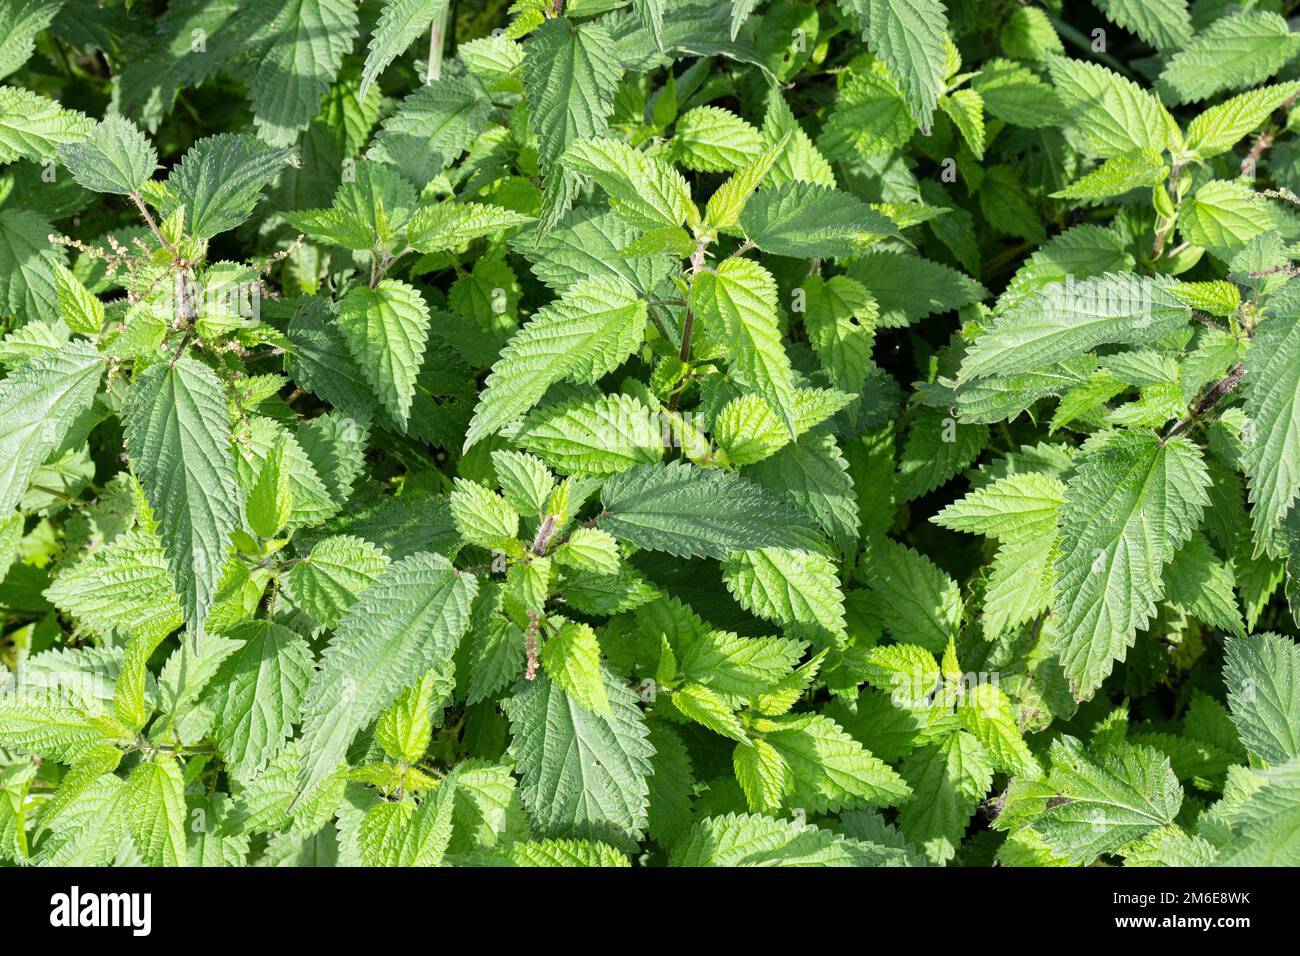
pixel 437 30
pixel 1212 396
pixel 148 217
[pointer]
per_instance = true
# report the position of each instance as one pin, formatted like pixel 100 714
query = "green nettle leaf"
pixel 39 404
pixel 178 437
pixel 1101 802
pixel 443 226
pixel 909 36
pixel 797 589
pixel 156 811
pixel 410 618
pixel 711 139
pixel 919 603
pixel 582 336
pixel 570 75
pixel 947 782
pixel 1235 51
pixel 219 180
pixel 124 588
pixel 27 261
pixel 754 840
pixel 483 517
pixel 78 308
pixel 386 328
pixel 600 437
pixel 1118 175
pixel 115 157
pixel 432 126
pixel 1131 504
pixel 686 511
pixel 32 127
pixel 299 54
pixel 830 770
pixel 641 188
pixel 1071 318
pixel 584 772
pixel 257 694
pixel 1263 679
pixel 369 208
pixel 326 582
pixel 1272 397
pixel 1113 114
pixel 1220 127
pixel 1165 24
pixel 810 221
pixel 25 20
pixel 737 304
pixel 43 728
pixel 572 660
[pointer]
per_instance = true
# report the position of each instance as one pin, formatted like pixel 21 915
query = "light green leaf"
pixel 1074 317
pixel 39 404
pixel 440 227
pixel 326 582
pixel 1165 24
pixel 737 304
pixel 257 694
pixel 810 221
pixel 1220 127
pixel 32 127
pixel 572 659
pixel 27 261
pixel 713 140
pixel 909 36
pixel 1236 51
pixel 830 771
pixel 432 126
pixel 24 20
pixel 644 190
pixel 919 603
pixel 219 180
pixel 948 780
pixel 798 589
pixel 1106 800
pixel 1113 114
pixel 122 589
pixel 156 811
pixel 115 157
pixel 1016 508
pixel 401 23
pixel 600 436
pixel 386 329
pixel 406 727
pixel 1117 176
pixel 482 517
pixel 754 840
pixel 584 335
pixel 298 56
pixel 1223 216
pixel 571 73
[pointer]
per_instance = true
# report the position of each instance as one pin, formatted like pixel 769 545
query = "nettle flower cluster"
pixel 690 433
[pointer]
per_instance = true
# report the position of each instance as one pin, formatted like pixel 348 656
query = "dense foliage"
pixel 664 432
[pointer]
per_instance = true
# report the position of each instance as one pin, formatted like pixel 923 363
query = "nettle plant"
pixel 856 433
